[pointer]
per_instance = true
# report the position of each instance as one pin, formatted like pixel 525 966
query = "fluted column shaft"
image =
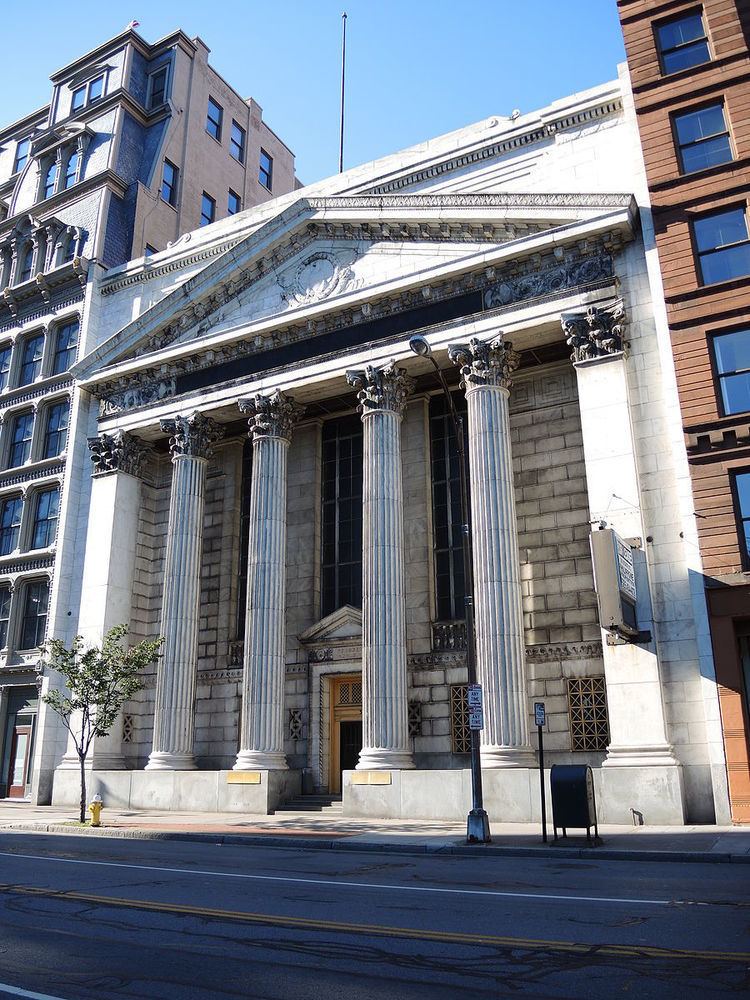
pixel 262 724
pixel 385 732
pixel 500 649
pixel 174 714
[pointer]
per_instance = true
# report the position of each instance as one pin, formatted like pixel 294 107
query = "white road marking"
pixel 353 885
pixel 14 991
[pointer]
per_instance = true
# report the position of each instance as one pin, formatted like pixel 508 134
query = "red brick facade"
pixel 718 444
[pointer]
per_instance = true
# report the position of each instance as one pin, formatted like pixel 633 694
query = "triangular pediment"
pixel 342 625
pixel 342 253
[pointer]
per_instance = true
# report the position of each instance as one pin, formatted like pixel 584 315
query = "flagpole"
pixel 343 79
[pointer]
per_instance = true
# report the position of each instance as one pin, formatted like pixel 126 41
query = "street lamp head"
pixel 419 346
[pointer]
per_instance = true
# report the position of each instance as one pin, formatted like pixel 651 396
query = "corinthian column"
pixel 385 732
pixel 486 370
pixel 191 444
pixel 271 421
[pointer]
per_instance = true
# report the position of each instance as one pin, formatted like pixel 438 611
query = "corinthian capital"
pixel 271 416
pixel 194 436
pixel 383 388
pixel 485 362
pixel 594 333
pixel 118 452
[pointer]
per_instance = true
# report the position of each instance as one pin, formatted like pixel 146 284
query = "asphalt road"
pixel 82 917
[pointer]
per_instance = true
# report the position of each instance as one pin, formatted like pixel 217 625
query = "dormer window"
pixel 157 83
pixel 87 94
pixel 69 249
pixel 50 180
pixel 71 170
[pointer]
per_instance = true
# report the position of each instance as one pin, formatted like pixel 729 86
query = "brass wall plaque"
pixel 243 778
pixel 371 778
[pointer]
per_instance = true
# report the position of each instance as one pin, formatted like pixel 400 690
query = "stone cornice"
pixel 397 207
pixel 540 130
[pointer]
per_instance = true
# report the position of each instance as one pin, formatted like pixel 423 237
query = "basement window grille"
pixel 415 718
pixel 587 703
pixel 460 732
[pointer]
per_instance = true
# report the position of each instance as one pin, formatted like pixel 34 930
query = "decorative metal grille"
pixel 295 723
pixel 127 729
pixel 415 718
pixel 350 693
pixel 460 732
pixel 587 703
pixel 448 635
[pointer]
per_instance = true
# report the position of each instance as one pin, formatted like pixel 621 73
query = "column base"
pixel 165 760
pixel 644 756
pixel 380 759
pixel 260 760
pixel 499 756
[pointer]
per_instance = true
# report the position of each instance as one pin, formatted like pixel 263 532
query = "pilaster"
pixel 634 693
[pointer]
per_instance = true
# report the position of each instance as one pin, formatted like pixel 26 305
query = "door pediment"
pixel 341 626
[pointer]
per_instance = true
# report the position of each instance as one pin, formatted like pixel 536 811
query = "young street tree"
pixel 100 681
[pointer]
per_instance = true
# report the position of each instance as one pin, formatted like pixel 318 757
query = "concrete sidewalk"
pixel 321 831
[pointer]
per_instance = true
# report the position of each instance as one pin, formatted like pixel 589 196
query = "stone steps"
pixel 329 805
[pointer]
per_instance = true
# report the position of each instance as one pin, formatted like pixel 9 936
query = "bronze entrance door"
pixel 346 727
pixel 18 774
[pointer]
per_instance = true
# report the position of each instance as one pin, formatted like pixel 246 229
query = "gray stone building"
pixel 308 578
pixel 139 144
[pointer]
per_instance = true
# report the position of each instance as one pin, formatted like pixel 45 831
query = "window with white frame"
pixel 56 429
pixel 87 93
pixel 44 527
pixel 66 346
pixel 10 524
pixel 6 353
pixel 21 432
pixel 4 614
pixel 26 264
pixel 32 352
pixel 35 600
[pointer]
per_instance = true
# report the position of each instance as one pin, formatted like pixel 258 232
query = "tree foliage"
pixel 99 682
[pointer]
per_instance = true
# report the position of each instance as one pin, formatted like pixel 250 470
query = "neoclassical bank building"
pixel 266 475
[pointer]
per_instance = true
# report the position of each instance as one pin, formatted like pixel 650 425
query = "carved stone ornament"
pixel 485 362
pixel 318 276
pixel 383 388
pixel 194 436
pixel 118 452
pixel 595 332
pixel 271 416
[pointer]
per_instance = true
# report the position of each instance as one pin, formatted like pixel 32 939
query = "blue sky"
pixel 415 68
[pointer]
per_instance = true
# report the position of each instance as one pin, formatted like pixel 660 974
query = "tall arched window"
pixel 27 263
pixel 50 179
pixel 71 169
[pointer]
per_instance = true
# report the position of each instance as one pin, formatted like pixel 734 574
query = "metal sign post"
pixel 476 708
pixel 539 719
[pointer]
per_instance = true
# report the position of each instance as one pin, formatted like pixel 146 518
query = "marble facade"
pixel 517 248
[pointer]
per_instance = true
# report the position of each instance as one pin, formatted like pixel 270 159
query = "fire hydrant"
pixel 95 808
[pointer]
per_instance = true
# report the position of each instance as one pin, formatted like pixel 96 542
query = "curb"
pixel 321 844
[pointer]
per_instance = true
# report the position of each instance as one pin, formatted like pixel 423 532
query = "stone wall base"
pixel 511 795
pixel 258 792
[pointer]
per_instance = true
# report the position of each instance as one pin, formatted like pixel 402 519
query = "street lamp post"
pixel 477 822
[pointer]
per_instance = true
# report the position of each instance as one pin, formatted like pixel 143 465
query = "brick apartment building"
pixel 690 71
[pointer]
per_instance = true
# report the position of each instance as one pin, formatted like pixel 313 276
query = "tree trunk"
pixel 83 788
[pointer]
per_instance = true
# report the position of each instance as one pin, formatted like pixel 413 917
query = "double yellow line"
pixel 381 930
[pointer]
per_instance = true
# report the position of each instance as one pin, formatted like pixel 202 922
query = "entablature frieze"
pixel 544 276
